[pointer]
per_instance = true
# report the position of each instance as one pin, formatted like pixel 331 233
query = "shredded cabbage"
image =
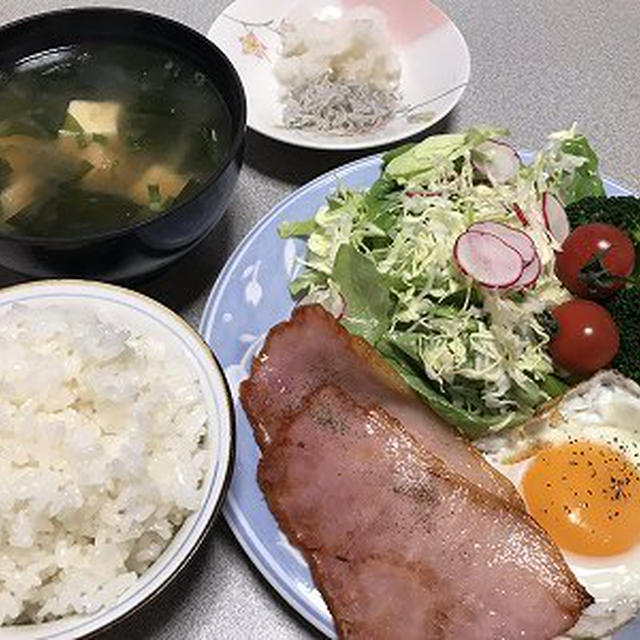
pixel 486 351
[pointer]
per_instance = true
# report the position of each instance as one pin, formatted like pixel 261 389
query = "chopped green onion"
pixel 71 124
pixel 155 199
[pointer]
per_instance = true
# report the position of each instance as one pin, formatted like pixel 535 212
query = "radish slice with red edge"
pixel 533 216
pixel 423 194
pixel 515 238
pixel 530 274
pixel 332 301
pixel 496 160
pixel 555 217
pixel 338 307
pixel 520 214
pixel 487 259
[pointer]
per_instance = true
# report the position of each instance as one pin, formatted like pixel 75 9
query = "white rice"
pixel 102 456
pixel 338 70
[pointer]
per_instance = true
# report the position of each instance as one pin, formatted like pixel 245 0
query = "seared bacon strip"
pixel 312 349
pixel 401 546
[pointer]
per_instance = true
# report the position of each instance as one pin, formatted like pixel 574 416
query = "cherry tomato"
pixel 594 260
pixel 586 339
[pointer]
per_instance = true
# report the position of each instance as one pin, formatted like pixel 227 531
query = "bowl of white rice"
pixel 116 443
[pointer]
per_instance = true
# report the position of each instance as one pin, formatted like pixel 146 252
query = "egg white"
pixel 603 410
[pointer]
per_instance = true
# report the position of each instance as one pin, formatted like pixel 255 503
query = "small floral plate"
pixel 433 55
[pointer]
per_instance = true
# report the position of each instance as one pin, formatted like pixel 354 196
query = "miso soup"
pixel 102 136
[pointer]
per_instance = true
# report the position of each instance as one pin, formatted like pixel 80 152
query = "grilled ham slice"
pixel 312 349
pixel 400 545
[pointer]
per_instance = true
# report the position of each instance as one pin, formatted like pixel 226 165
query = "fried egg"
pixel 577 467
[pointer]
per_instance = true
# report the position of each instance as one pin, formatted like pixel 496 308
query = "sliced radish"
pixel 555 218
pixel 423 194
pixel 487 259
pixel 515 238
pixel 330 299
pixel 520 214
pixel 338 307
pixel 496 160
pixel 532 217
pixel 530 274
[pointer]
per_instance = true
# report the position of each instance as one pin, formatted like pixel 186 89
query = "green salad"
pixel 477 354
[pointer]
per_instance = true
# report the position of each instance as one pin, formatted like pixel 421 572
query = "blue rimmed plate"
pixel 249 297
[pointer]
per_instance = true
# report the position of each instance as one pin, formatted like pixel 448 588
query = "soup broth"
pixel 103 136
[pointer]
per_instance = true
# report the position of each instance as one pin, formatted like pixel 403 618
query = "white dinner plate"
pixel 432 51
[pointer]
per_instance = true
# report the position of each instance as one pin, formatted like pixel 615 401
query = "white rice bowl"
pixel 115 446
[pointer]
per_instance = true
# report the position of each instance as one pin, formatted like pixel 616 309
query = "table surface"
pixel 535 67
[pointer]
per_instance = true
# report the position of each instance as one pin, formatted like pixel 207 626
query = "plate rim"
pixel 341 143
pixel 232 510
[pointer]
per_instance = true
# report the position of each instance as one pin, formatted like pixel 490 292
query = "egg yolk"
pixel 586 496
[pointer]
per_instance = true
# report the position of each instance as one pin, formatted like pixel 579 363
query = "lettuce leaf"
pixel 368 302
pixel 422 156
pixel 473 425
pixel 388 156
pixel 585 180
pixel 297 228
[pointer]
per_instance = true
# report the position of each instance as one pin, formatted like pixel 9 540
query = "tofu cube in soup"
pixel 99 118
pixel 19 152
pixel 105 168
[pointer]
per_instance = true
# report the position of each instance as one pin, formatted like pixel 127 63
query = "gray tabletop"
pixel 535 67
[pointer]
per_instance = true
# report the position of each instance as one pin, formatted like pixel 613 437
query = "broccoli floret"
pixel 620 211
pixel 624 307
